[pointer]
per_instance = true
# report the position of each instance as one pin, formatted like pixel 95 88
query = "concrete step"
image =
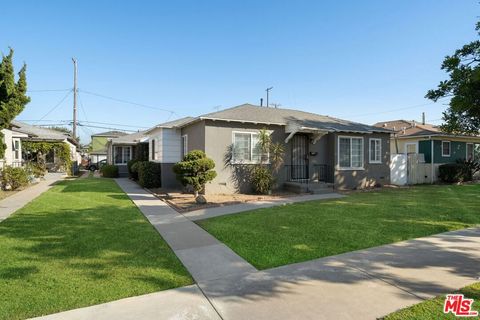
pixel 310 187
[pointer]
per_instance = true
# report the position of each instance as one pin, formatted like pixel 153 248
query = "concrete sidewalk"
pixel 365 284
pixel 18 200
pixel 238 208
pixel 204 256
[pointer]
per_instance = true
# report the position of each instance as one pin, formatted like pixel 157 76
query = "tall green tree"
pixel 13 96
pixel 463 87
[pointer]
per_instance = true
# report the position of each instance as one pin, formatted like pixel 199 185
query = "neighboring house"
pixel 98 150
pixel 411 137
pixel 35 133
pixel 13 151
pixel 125 148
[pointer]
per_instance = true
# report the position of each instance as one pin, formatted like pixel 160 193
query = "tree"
pixel 13 96
pixel 463 114
pixel 195 170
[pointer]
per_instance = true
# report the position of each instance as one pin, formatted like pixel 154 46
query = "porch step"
pixel 310 187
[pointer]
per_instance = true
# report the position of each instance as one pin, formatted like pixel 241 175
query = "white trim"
pixel 370 150
pixel 449 149
pixel 121 163
pixel 362 156
pixel 409 144
pixel 184 144
pixel 233 161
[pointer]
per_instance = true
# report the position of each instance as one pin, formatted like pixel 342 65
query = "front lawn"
pixel 83 242
pixel 303 231
pixel 433 309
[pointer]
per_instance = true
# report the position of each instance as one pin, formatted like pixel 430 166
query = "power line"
pixel 56 106
pixel 126 101
pixel 50 90
pixel 116 124
pixel 109 128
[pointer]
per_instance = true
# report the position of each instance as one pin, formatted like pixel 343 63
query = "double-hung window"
pixel 184 145
pixel 446 148
pixel 375 151
pixel 153 150
pixel 350 152
pixel 16 149
pixel 122 154
pixel 246 148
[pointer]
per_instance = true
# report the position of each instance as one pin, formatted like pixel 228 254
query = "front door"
pixel 299 165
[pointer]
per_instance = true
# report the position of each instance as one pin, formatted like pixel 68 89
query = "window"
pixel 122 154
pixel 16 149
pixel 246 148
pixel 375 150
pixel 350 153
pixel 153 149
pixel 184 145
pixel 470 151
pixel 445 148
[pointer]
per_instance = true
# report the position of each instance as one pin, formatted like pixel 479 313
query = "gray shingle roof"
pixel 111 134
pixel 133 138
pixel 40 133
pixel 173 124
pixel 280 116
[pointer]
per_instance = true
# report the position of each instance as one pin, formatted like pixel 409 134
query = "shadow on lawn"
pixel 423 258
pixel 94 241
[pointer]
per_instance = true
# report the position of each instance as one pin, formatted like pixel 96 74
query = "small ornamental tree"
pixel 195 170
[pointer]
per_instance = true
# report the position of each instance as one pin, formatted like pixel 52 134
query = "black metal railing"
pixel 297 173
pixel 322 173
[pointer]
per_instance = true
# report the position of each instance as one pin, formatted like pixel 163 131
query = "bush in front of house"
pixel 109 171
pixel 36 169
pixel 195 170
pixel 262 179
pixel 149 174
pixel 133 169
pixel 455 172
pixel 14 178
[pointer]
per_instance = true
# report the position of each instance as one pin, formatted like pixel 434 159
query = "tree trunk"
pixel 195 193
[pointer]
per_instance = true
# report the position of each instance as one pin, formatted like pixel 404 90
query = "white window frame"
pixel 251 133
pixel 375 161
pixel 449 149
pixel 361 157
pixel 114 155
pixel 411 144
pixel 16 150
pixel 473 150
pixel 184 142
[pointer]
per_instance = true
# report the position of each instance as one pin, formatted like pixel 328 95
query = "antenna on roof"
pixel 268 93
pixel 275 105
pixel 261 102
pixel 423 118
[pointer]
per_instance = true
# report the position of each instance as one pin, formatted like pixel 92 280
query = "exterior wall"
pixel 372 174
pixel 167 145
pixel 196 136
pixel 7 139
pixel 218 141
pixel 99 145
pixel 458 151
pixel 400 144
pixel 169 180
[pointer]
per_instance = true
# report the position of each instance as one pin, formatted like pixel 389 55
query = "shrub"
pixel 109 171
pixel 14 177
pixel 195 170
pixel 262 179
pixel 36 169
pixel 149 174
pixel 455 172
pixel 133 169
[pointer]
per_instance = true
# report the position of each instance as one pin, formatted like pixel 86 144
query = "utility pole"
pixel 268 92
pixel 75 90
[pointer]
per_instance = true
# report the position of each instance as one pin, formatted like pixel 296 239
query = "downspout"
pixel 432 170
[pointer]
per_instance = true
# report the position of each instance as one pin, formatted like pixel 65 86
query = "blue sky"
pixel 353 59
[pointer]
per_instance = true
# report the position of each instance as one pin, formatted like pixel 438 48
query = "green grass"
pixel 83 242
pixel 298 232
pixel 433 309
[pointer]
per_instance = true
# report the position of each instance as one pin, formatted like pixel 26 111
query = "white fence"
pixel 411 169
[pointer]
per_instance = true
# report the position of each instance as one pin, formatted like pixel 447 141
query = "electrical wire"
pixel 55 106
pixel 49 90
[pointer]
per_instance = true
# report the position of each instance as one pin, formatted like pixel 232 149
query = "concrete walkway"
pixel 238 208
pixel 18 200
pixel 364 284
pixel 204 256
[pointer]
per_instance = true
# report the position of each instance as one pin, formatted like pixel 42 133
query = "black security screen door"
pixel 299 169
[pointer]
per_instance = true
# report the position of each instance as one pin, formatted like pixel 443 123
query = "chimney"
pixel 423 118
pixel 261 102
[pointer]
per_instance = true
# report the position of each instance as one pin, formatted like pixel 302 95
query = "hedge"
pixel 14 178
pixel 455 172
pixel 133 169
pixel 149 174
pixel 109 171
